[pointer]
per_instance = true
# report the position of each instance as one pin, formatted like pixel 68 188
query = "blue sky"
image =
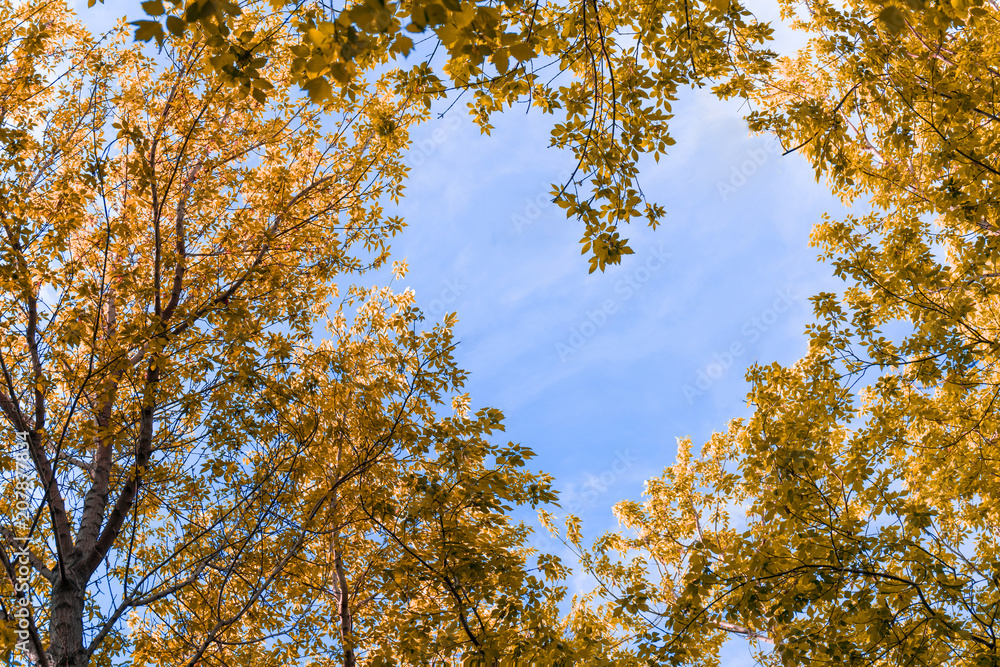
pixel 738 272
pixel 600 373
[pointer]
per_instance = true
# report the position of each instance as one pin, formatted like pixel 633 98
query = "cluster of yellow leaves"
pixel 607 69
pixel 210 485
pixel 852 519
pixel 175 225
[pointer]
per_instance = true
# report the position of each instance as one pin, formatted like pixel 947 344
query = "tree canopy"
pixel 607 71
pixel 192 477
pixel 203 482
pixel 850 519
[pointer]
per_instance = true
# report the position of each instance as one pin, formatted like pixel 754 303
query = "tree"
pixel 851 518
pixel 864 473
pixel 200 482
pixel 865 468
pixel 615 67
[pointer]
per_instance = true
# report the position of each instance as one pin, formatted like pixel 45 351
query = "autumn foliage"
pixel 221 449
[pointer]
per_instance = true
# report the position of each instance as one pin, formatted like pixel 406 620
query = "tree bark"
pixel 344 606
pixel 66 625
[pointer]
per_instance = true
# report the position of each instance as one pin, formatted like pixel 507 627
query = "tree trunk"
pixel 344 606
pixel 66 627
